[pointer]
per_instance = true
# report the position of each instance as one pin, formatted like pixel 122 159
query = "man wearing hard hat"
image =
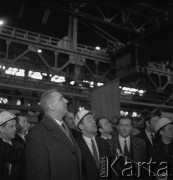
pixel 162 152
pixel 94 149
pixel 8 154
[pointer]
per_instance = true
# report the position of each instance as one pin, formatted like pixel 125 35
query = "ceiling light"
pixel 39 51
pixel 97 48
pixel 1 22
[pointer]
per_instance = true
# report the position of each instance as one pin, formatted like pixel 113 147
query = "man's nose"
pixel 28 124
pixel 66 101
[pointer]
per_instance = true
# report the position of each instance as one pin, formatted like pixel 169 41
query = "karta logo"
pixel 124 167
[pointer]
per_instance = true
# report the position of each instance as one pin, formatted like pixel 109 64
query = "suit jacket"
pixel 144 137
pixel 90 169
pixel 50 155
pixel 18 170
pixel 160 153
pixel 137 148
pixel 19 142
pixel 9 154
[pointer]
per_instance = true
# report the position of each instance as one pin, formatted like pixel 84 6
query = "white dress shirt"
pixel 106 138
pixel 89 144
pixel 122 143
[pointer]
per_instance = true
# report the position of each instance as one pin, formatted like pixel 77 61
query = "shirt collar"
pixel 87 139
pixel 58 121
pixel 121 139
pixel 148 133
pixel 109 137
pixel 9 142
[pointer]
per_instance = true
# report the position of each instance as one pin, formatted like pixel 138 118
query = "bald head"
pixel 47 98
pixel 54 103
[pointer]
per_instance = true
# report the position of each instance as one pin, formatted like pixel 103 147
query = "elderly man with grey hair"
pixel 51 151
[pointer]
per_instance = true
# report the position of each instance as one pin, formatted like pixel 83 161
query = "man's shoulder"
pixel 141 134
pixel 79 139
pixel 138 140
pixel 98 138
pixel 101 140
pixel 37 129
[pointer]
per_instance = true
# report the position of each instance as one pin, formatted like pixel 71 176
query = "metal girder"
pixel 18 57
pixel 41 90
pixel 146 104
pixel 80 14
pixel 89 70
pixel 44 61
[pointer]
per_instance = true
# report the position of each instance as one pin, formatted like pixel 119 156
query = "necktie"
pixel 66 131
pixel 125 148
pixel 95 155
pixel 152 138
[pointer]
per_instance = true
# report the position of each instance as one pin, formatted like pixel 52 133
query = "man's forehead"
pixel 70 115
pixel 103 120
pixel 57 94
pixel 22 118
pixel 12 121
pixel 169 125
pixel 154 118
pixel 88 116
pixel 124 121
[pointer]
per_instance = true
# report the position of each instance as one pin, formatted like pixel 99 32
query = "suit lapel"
pixel 136 149
pixel 87 152
pixel 56 131
pixel 20 140
pixel 147 140
pixel 100 147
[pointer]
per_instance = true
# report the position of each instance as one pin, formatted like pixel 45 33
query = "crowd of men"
pixel 67 147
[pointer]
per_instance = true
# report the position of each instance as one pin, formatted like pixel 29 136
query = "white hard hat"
pixel 6 116
pixel 162 122
pixel 80 114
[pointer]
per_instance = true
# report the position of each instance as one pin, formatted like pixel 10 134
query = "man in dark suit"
pixel 104 127
pixel 51 151
pixel 8 154
pixel 148 135
pixel 7 133
pixel 22 126
pixel 69 120
pixel 95 150
pixel 130 149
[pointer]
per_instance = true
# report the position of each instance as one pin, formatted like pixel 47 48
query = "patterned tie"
pixel 95 155
pixel 125 148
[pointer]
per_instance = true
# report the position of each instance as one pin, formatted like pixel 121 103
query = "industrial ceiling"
pixel 141 29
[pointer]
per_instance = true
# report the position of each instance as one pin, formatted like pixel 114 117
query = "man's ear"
pixel 147 123
pixel 101 130
pixel 51 107
pixel 1 128
pixel 81 126
pixel 161 132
